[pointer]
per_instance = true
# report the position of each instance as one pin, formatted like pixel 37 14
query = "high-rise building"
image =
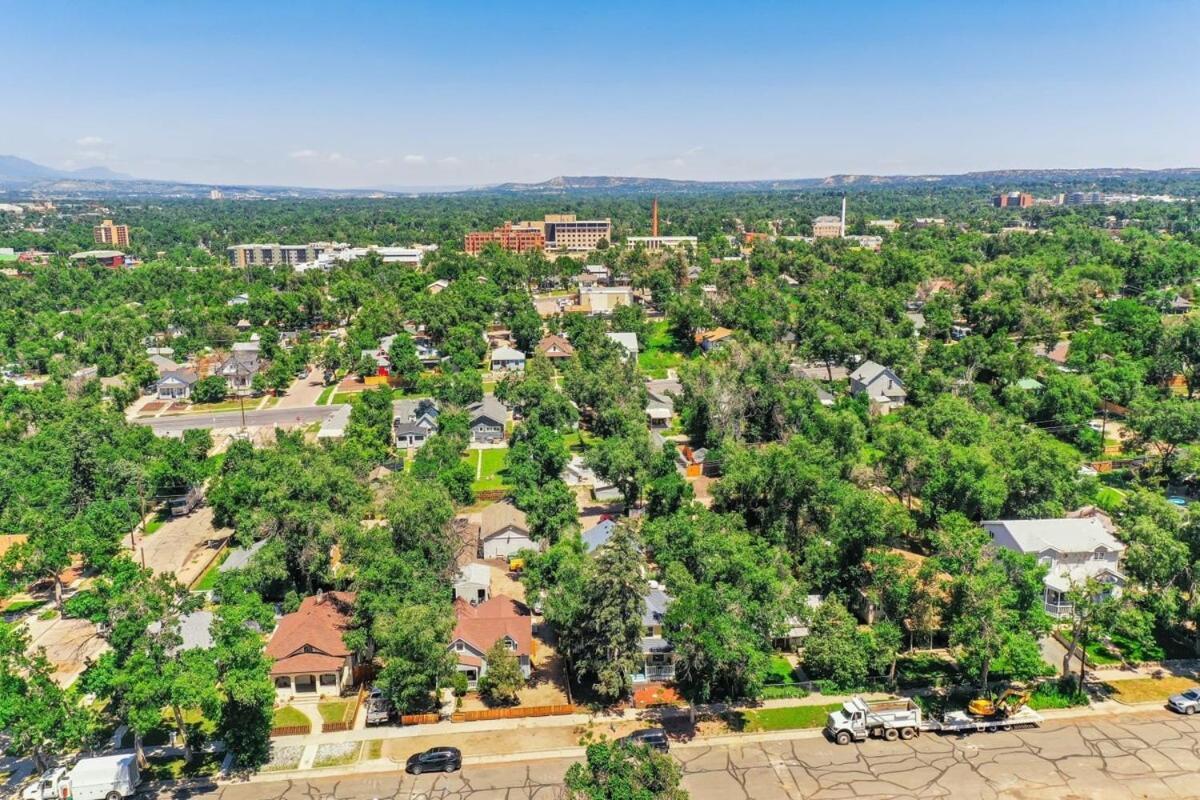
pixel 108 233
pixel 215 194
pixel 1013 200
pixel 554 232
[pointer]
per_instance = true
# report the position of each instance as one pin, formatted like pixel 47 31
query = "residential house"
pixel 598 535
pixel 240 368
pixel 604 299
pixel 194 631
pixel 507 359
pixel 438 286
pixel 500 619
pixel 162 364
pixel 1179 305
pixel 797 626
pixel 176 385
pixel 1074 548
pixel 555 348
pixel 658 657
pixel 717 337
pixel 413 421
pixel 473 583
pixel 659 409
pixel 240 556
pixel 488 418
pixel 691 462
pixel 309 654
pixel 504 531
pixel 628 341
pixel 880 384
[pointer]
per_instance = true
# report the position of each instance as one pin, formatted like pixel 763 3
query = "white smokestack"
pixel 843 234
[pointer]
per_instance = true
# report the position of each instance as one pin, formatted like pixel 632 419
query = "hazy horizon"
pixel 450 95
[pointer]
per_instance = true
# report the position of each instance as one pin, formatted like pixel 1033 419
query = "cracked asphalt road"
pixel 1145 755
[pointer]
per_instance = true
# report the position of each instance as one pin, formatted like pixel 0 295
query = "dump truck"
pixel 890 720
pixel 858 719
pixel 102 778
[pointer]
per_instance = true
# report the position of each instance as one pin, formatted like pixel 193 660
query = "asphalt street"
pixel 1145 755
pixel 233 419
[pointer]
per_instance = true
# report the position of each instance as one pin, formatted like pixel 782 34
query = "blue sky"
pixel 461 93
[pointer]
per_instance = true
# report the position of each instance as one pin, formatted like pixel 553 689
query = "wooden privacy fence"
pixel 491 494
pixel 515 712
pixel 419 719
pixel 291 730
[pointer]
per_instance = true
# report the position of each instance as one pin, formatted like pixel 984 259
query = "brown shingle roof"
pixel 498 516
pixel 483 625
pixel 311 637
pixel 555 346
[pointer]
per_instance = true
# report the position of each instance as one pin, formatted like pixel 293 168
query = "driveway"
pixel 304 391
pixel 1152 754
pixel 69 645
pixel 183 546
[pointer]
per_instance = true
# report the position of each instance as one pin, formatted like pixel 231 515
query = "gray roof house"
pixel 241 556
pixel 162 363
pixel 507 359
pixel 488 418
pixel 414 421
pixel 1075 549
pixel 881 385
pixel 659 409
pixel 240 368
pixel 627 340
pixel 598 535
pixel 658 658
pixel 176 385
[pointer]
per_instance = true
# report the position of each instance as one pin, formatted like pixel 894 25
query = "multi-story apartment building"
pixel 108 233
pixel 1013 200
pixel 565 232
pixel 518 238
pixel 272 255
pixel 827 227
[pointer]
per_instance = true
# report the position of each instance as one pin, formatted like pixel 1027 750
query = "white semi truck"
pixel 101 778
pixel 859 719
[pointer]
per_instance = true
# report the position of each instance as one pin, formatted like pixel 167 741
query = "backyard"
pixel 489 465
pixel 660 351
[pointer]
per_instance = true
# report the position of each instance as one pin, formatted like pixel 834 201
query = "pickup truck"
pixel 185 504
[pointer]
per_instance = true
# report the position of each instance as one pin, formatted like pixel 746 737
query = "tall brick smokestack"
pixel 654 218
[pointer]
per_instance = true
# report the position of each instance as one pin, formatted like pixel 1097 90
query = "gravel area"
pixel 283 757
pixel 329 755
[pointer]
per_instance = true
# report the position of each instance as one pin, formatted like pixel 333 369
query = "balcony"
pixel 1059 609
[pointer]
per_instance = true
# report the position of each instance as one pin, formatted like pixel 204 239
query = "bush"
pixel 459 683
pixel 210 390
pixel 1063 693
pixel 784 691
pixel 86 604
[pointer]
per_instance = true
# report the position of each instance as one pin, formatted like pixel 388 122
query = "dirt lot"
pixel 590 510
pixel 505 582
pixel 183 546
pixel 503 742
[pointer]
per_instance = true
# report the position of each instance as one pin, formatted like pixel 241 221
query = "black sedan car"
pixel 435 759
pixel 654 738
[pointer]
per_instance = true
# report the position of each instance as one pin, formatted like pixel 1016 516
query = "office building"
pixel 519 238
pixel 827 227
pixel 1085 198
pixel 889 225
pixel 565 232
pixel 215 194
pixel 1013 200
pixel 108 233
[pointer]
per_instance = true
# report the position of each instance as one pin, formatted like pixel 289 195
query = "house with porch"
pixel 310 657
pixel 507 359
pixel 1074 548
pixel 658 656
pixel 176 385
pixel 488 418
pixel 555 347
pixel 240 368
pixel 479 628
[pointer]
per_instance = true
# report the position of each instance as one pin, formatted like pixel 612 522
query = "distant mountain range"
pixel 20 175
pixel 17 170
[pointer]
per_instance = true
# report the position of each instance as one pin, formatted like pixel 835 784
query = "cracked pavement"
pixel 1144 755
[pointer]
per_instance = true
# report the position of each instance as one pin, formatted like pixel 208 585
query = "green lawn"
pixel 580 440
pixel 335 710
pixel 341 398
pixel 290 717
pixel 780 670
pixel 491 472
pixel 660 351
pixel 161 733
pixel 157 521
pixel 21 606
pixel 783 719
pixel 224 405
pixel 208 581
pixel 171 769
pixel 326 393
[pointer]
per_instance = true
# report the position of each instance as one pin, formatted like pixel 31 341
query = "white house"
pixel 658 656
pixel 881 385
pixel 176 384
pixel 627 340
pixel 473 583
pixel 506 359
pixel 504 531
pixel 1075 549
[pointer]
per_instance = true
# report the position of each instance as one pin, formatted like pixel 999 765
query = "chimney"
pixel 654 218
pixel 843 233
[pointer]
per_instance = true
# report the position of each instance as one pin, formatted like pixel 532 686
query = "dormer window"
pixel 1099 554
pixel 509 643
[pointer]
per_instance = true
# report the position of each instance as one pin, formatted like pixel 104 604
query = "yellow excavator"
pixel 1009 702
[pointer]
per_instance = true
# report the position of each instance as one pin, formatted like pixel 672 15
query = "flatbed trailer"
pixel 962 722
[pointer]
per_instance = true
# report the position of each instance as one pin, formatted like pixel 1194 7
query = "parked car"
pixel 654 738
pixel 435 759
pixel 186 504
pixel 379 708
pixel 1186 702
